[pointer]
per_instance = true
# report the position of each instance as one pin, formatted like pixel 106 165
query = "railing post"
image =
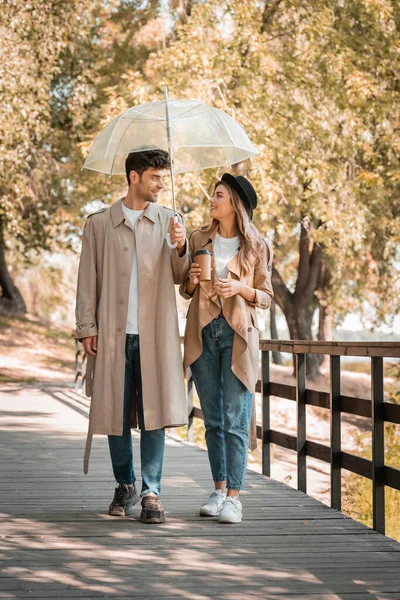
pixel 336 463
pixel 378 446
pixel 266 424
pixel 300 364
pixel 190 430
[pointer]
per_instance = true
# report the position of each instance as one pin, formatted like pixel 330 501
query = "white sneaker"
pixel 231 511
pixel 213 504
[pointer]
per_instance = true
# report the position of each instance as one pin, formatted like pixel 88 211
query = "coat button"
pixel 121 301
pixel 119 329
pixel 123 274
pixel 126 248
pixel 250 329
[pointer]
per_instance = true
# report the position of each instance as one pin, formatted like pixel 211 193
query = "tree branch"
pixel 269 11
pixel 304 261
pixel 314 271
pixel 282 296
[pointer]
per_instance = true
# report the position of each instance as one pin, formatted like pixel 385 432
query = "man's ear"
pixel 133 177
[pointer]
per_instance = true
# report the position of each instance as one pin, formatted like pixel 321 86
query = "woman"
pixel 222 338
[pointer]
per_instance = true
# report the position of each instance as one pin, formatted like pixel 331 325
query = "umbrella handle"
pixel 168 237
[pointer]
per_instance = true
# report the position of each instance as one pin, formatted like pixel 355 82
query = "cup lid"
pixel 203 252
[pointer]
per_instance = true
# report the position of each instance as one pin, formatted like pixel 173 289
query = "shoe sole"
pixel 205 514
pixel 128 509
pixel 226 522
pixel 153 520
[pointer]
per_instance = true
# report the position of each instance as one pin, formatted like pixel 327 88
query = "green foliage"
pixel 58 58
pixel 315 87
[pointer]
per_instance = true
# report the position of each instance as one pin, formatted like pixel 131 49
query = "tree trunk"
pixel 324 331
pixel 276 356
pixel 11 300
pixel 325 314
pixel 299 306
pixel 299 323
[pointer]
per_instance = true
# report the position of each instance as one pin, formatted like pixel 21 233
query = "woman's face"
pixel 220 204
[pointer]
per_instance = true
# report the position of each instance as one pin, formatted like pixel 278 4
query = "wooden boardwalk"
pixel 57 541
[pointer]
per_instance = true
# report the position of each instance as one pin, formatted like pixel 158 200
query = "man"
pixel 127 320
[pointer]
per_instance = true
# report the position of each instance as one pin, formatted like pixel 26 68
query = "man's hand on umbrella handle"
pixel 90 345
pixel 177 232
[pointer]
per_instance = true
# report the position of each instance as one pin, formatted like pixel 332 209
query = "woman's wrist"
pixel 248 293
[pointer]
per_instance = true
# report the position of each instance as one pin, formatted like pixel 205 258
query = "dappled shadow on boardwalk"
pixel 56 540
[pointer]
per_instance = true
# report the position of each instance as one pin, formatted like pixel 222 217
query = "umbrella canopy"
pixel 201 137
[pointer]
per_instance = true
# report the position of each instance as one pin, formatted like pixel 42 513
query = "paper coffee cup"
pixel 203 259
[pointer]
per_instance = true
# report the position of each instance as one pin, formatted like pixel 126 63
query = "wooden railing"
pixel 376 409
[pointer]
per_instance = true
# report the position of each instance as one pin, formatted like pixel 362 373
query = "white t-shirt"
pixel 224 250
pixel 132 322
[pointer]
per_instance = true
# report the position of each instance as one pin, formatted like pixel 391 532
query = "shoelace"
pixel 152 502
pixel 120 493
pixel 233 504
pixel 212 498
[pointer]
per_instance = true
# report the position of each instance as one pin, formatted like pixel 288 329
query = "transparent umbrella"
pixel 196 135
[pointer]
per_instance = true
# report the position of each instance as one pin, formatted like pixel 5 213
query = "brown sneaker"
pixel 152 510
pixel 125 497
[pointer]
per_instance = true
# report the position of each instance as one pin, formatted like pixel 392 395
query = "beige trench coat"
pixel 108 248
pixel 240 314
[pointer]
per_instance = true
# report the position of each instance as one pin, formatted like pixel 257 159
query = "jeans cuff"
pixel 234 487
pixel 146 492
pixel 125 482
pixel 218 479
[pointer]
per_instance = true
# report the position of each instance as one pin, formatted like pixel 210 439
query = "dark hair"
pixel 144 160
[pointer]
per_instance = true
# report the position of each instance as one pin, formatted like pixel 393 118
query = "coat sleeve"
pixel 180 264
pixel 86 300
pixel 182 287
pixel 262 279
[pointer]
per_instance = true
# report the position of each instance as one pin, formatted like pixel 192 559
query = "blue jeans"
pixel 226 404
pixel 151 442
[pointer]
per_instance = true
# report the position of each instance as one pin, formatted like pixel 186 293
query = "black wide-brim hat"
pixel 244 189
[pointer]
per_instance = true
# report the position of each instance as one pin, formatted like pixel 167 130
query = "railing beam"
pixel 266 420
pixel 378 446
pixel 300 365
pixel 335 452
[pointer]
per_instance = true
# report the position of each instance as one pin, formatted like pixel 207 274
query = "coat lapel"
pixel 234 266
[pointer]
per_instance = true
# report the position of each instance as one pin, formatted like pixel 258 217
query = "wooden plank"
pixel 290 545
pixel 392 477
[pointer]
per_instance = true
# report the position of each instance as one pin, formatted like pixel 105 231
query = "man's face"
pixel 150 184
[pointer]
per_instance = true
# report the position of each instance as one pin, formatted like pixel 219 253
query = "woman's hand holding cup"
pixel 194 273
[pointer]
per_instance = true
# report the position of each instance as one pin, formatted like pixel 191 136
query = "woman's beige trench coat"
pixel 108 248
pixel 240 314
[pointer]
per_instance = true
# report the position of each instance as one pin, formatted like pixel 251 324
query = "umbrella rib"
pixel 188 111
pixel 226 129
pixel 163 118
pixel 109 141
pixel 116 150
pixel 220 146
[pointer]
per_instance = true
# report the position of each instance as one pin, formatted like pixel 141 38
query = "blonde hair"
pixel 250 250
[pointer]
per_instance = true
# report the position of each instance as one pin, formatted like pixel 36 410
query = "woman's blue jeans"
pixel 226 404
pixel 151 442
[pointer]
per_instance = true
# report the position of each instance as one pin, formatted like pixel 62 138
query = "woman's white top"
pixel 224 250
